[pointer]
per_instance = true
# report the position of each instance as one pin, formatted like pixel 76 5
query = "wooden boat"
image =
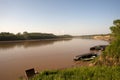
pixel 99 47
pixel 85 57
pixel 30 73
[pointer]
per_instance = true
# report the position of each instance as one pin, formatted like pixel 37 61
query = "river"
pixel 16 57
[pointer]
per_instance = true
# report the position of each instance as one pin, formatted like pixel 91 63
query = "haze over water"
pixel 16 57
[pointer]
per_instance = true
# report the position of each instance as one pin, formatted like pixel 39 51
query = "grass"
pixel 81 73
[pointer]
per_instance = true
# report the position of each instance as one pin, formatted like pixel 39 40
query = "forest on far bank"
pixel 6 36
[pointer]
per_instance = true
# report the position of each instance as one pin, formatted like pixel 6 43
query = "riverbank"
pixel 81 73
pixel 102 37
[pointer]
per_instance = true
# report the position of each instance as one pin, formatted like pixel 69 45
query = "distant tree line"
pixel 6 36
pixel 90 36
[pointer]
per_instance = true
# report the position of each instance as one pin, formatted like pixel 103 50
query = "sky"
pixel 74 17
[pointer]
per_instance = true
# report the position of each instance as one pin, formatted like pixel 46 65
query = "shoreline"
pixel 36 40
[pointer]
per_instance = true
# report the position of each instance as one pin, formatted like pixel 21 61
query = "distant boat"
pixel 85 57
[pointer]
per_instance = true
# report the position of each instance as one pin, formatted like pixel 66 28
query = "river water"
pixel 16 57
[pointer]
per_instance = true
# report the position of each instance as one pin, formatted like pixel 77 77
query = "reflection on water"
pixel 16 57
pixel 27 44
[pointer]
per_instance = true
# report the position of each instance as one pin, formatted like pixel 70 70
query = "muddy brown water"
pixel 16 57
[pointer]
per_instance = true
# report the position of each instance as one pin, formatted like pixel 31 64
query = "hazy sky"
pixel 75 17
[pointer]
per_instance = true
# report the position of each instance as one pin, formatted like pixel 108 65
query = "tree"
pixel 111 55
pixel 114 49
pixel 116 22
pixel 25 34
pixel 115 29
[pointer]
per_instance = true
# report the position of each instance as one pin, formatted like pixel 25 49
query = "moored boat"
pixel 85 57
pixel 99 47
